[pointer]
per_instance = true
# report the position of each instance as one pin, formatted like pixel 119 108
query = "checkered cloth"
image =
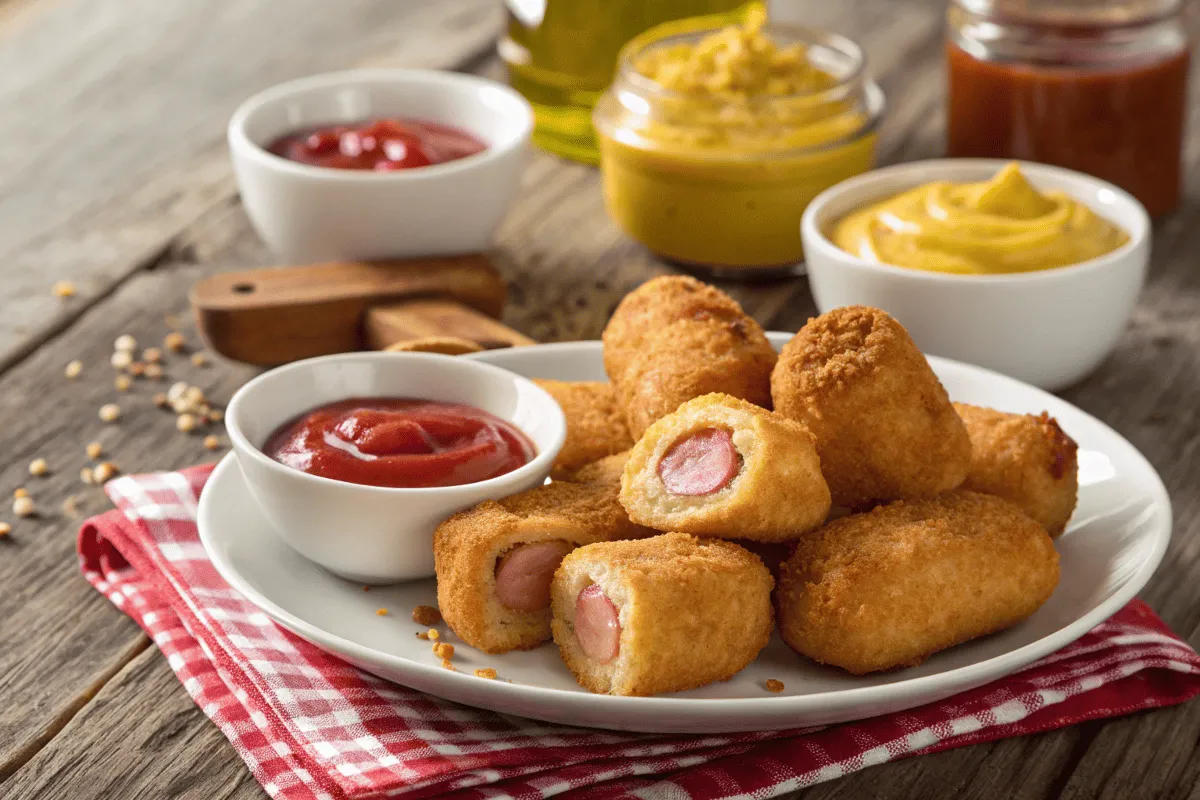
pixel 310 726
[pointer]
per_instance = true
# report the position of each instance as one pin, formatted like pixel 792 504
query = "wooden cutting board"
pixel 279 314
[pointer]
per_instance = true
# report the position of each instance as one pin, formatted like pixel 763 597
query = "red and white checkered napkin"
pixel 311 726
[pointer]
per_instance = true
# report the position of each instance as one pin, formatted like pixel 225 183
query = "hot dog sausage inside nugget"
pixel 674 338
pixel 663 614
pixel 595 423
pixel 884 425
pixel 1026 459
pixel 720 466
pixel 893 586
pixel 494 562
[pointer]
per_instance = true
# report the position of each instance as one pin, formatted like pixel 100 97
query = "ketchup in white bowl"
pixel 382 145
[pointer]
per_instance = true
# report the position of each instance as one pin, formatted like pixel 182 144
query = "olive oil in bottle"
pixel 561 55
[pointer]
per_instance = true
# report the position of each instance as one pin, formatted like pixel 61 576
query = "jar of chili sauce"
pixel 1098 86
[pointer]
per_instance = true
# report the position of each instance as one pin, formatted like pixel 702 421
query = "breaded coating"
pixel 692 612
pixel 607 470
pixel 760 480
pixel 893 586
pixel 595 423
pixel 468 547
pixel 443 345
pixel 674 338
pixel 884 425
pixel 1026 459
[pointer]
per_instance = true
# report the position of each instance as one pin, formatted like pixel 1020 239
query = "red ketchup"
pixel 382 145
pixel 383 441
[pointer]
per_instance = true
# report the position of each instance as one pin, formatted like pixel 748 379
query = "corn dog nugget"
pixel 893 586
pixel 1026 459
pixel 674 338
pixel 494 562
pixel 663 614
pixel 884 425
pixel 595 423
pixel 720 466
pixel 606 470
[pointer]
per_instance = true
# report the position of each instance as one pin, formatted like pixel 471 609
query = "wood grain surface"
pixel 116 178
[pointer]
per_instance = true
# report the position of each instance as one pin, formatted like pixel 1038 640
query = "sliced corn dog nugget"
pixel 595 423
pixel 1026 459
pixel 884 426
pixel 607 470
pixel 494 562
pixel 723 467
pixel 662 614
pixel 675 338
pixel 893 586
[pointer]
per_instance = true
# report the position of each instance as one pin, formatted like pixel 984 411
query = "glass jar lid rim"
pixel 1073 12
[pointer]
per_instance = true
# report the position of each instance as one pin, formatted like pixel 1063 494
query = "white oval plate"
pixel 1116 539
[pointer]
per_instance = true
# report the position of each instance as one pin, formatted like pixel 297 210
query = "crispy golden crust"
pixel 884 425
pixel 675 338
pixel 891 587
pixel 777 495
pixel 655 304
pixel 467 546
pixel 693 611
pixel 607 470
pixel 595 423
pixel 1026 459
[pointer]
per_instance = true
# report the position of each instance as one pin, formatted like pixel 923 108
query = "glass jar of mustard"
pixel 714 139
pixel 1098 86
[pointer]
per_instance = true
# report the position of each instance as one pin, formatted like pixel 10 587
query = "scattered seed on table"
pixel 38 467
pixel 85 475
pixel 123 383
pixel 121 359
pixel 126 343
pixel 73 369
pixel 104 471
pixel 137 369
pixel 185 423
pixel 174 341
pixel 63 289
pixel 110 412
pixel 20 492
pixel 23 507
pixel 199 359
pixel 211 442
pixel 177 390
pixel 94 450
pixel 154 372
pixel 5 529
pixel 216 415
pixel 152 355
pixel 381 612
pixel 160 400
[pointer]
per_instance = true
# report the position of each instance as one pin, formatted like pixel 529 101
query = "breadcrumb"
pixel 426 615
pixel 382 612
pixel 486 672
pixel 774 685
pixel 443 650
pixel 433 634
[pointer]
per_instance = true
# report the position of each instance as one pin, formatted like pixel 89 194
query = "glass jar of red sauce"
pixel 1098 86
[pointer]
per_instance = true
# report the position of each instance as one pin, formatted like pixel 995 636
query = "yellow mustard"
pixel 713 140
pixel 996 226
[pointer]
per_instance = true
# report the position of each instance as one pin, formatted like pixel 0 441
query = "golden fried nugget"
pixel 655 304
pixel 720 466
pixel 675 338
pixel 607 470
pixel 444 345
pixel 494 562
pixel 1026 459
pixel 893 586
pixel 595 424
pixel 884 425
pixel 663 614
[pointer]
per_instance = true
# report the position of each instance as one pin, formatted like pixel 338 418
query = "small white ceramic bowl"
pixel 1048 328
pixel 306 213
pixel 373 534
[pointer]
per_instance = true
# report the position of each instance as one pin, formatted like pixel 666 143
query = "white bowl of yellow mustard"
pixel 1023 268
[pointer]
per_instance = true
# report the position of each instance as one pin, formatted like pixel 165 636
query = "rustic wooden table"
pixel 114 176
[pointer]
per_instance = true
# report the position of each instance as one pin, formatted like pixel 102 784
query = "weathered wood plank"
pixel 114 117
